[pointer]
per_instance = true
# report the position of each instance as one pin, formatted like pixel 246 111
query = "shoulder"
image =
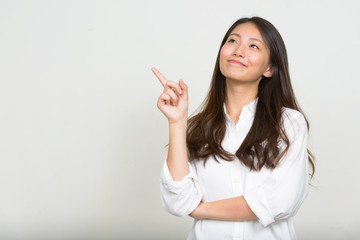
pixel 293 119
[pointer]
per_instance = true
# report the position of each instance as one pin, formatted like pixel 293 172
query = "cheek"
pixel 254 59
pixel 257 60
pixel 225 51
pixel 223 56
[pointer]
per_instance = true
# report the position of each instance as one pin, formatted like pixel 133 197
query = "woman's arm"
pixel 232 209
pixel 173 103
pixel 177 159
pixel 179 189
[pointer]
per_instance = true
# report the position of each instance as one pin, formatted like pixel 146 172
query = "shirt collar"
pixel 250 108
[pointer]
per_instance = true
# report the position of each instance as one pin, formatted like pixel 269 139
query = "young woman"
pixel 240 166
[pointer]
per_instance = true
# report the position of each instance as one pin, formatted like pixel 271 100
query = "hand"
pixel 173 102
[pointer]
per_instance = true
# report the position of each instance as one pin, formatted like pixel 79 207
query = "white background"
pixel 82 142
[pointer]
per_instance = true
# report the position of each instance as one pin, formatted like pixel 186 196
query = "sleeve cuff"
pixel 173 186
pixel 179 198
pixel 256 200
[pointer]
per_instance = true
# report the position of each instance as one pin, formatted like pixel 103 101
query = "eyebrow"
pixel 253 39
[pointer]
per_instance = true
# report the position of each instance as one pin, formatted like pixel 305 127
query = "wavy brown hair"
pixel 206 130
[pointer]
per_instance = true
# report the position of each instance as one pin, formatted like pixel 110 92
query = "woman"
pixel 240 166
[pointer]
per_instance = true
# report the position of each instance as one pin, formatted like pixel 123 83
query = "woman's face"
pixel 245 56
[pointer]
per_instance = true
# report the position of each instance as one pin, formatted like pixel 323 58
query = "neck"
pixel 239 95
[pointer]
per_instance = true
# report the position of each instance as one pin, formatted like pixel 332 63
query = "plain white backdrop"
pixel 82 141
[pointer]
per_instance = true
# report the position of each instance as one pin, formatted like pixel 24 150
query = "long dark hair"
pixel 206 129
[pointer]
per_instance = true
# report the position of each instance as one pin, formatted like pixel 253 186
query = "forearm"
pixel 177 159
pixel 232 209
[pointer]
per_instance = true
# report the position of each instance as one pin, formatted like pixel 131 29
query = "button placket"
pixel 239 231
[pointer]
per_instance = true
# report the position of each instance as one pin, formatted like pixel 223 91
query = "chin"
pixel 235 77
pixel 239 79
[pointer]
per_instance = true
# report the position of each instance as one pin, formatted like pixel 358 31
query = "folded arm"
pixel 232 209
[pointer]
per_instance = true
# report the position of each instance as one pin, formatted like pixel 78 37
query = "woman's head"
pixel 276 71
pixel 245 56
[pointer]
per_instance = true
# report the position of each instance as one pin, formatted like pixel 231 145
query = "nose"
pixel 240 51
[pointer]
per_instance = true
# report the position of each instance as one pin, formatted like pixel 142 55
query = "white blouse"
pixel 273 195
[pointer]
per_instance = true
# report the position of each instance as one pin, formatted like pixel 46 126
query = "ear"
pixel 269 71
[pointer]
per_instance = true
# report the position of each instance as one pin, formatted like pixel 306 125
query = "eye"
pixel 232 40
pixel 254 46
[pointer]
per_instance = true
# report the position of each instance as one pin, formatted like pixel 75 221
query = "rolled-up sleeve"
pixel 281 193
pixel 179 198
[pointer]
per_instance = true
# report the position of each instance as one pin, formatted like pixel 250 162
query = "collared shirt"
pixel 273 195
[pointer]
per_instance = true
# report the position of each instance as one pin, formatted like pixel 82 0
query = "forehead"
pixel 248 30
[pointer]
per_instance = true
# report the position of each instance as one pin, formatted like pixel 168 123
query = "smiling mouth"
pixel 237 63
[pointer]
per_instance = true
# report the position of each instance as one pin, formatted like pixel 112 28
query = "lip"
pixel 237 62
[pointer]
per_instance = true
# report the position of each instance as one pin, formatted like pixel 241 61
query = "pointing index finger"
pixel 161 77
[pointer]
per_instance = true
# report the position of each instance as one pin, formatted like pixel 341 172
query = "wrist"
pixel 179 123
